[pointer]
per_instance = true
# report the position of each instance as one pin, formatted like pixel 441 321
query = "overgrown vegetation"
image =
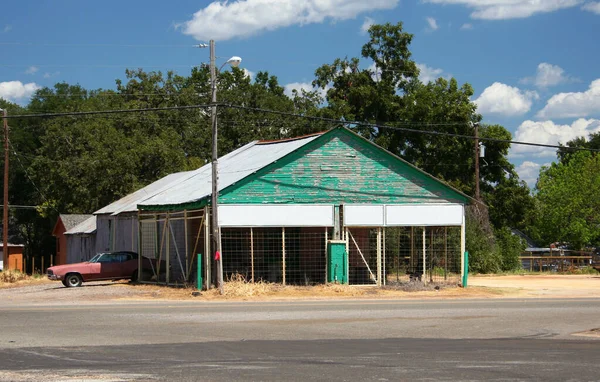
pixel 16 277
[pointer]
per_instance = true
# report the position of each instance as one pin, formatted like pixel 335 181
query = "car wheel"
pixel 134 276
pixel 73 280
pixel 64 282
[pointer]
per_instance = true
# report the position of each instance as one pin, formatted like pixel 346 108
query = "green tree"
pixel 567 201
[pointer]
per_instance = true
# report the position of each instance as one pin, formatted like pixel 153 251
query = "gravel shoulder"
pixel 528 286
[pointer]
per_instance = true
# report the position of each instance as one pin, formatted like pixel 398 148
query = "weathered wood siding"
pixel 80 247
pixel 340 168
pixel 116 233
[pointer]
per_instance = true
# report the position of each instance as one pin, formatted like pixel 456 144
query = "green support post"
pixel 199 272
pixel 466 274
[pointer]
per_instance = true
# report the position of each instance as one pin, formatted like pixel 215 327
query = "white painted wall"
pixel 270 215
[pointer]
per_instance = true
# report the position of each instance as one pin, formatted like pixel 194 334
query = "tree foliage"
pixel 568 207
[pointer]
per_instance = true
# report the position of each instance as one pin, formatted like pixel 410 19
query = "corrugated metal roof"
pixel 72 220
pixel 233 167
pixel 129 203
pixel 87 226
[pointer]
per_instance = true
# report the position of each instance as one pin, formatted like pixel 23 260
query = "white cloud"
pixel 428 74
pixel 509 9
pixel 432 23
pixel 299 86
pixel 223 20
pixel 466 26
pixel 32 70
pixel 594 6
pixel 7 28
pixel 366 25
pixel 529 172
pixel 550 133
pixel 48 74
pixel 249 74
pixel 16 90
pixel 505 100
pixel 548 75
pixel 573 105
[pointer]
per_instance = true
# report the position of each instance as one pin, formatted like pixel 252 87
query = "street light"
pixel 235 62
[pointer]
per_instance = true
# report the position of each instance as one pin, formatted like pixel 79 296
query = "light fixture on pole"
pixel 216 230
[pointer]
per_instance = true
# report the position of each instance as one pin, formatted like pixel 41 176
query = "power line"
pixel 13 206
pixel 17 43
pixel 408 130
pixel 313 118
pixel 100 112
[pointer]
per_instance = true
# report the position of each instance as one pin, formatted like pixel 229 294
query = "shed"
pixel 117 223
pixel 282 203
pixel 64 223
pixel 13 260
pixel 81 241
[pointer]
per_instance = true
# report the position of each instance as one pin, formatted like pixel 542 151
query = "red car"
pixel 103 266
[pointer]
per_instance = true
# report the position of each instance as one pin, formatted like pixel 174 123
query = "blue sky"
pixel 533 64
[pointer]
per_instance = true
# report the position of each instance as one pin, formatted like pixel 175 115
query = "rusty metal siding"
pixel 341 169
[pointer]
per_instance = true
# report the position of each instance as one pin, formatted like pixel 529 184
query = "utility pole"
pixel 216 229
pixel 216 236
pixel 477 161
pixel 5 209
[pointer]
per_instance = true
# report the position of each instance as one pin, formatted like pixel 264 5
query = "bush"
pixel 483 255
pixel 510 248
pixel 12 276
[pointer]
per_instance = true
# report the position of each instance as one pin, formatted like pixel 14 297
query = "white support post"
pixel 424 276
pixel 348 254
pixel 207 257
pixel 167 248
pixel 139 243
pixel 185 234
pixel 384 263
pixel 463 240
pixel 326 258
pixel 379 256
pixel 252 251
pixel 283 252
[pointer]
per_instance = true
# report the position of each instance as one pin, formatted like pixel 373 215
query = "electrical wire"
pixel 349 124
pixel 28 176
pixel 100 112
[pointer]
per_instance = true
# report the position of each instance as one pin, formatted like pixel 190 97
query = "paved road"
pixel 329 340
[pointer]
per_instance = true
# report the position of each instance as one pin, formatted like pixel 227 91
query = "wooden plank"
pixel 340 168
pixel 363 257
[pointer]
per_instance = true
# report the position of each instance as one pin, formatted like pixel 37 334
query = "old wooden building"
pixel 285 204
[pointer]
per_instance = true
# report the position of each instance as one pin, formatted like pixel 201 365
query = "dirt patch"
pixel 542 285
pixel 589 333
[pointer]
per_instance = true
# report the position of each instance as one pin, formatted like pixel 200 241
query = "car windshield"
pixel 95 258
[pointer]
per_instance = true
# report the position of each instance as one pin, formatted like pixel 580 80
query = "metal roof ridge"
pixel 275 141
pixel 198 171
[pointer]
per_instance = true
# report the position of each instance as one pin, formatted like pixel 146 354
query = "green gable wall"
pixel 340 167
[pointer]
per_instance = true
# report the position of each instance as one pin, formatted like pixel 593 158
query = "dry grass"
pixel 12 278
pixel 237 288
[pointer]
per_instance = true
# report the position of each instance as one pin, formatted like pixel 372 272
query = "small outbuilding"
pixel 13 259
pixel 65 223
pixel 81 241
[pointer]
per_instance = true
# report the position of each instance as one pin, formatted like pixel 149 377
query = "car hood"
pixel 66 267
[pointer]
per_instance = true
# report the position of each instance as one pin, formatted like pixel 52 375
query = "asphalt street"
pixel 543 339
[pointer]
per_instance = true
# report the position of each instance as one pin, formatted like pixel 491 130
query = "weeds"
pixel 12 276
